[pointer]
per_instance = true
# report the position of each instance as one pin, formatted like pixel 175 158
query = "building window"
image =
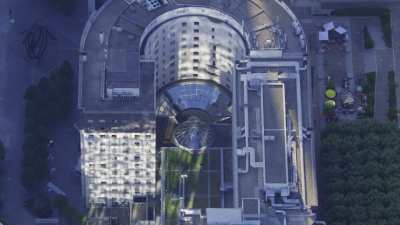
pixel 213 29
pixel 196 23
pixel 196 38
pixel 195 46
pixel 195 53
pixel 184 24
pixel 196 61
pixel 196 30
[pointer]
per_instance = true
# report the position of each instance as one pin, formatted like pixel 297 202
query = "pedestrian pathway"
pixel 396 48
pixel 384 64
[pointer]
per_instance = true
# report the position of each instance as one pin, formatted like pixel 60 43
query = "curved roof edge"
pixel 194 11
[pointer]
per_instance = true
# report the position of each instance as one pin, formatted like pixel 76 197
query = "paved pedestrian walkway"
pixel 384 62
pixel 396 48
pixel 11 191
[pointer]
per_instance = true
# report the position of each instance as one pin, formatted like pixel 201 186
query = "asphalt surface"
pixel 17 73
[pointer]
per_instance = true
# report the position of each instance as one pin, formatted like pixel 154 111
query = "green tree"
pixel 40 205
pixel 47 103
pixel 360 173
pixel 2 151
pixel 69 213
pixel 65 6
pixel 368 41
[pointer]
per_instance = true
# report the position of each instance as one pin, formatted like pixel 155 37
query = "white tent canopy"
pixel 341 30
pixel 323 36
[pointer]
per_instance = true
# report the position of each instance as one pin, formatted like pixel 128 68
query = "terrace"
pixel 195 180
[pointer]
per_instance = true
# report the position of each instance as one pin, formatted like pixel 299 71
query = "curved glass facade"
pixel 195 50
pixel 199 95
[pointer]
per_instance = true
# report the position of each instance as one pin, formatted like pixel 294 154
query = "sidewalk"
pixel 384 65
pixel 12 193
pixel 396 48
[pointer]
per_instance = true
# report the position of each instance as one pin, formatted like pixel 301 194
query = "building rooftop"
pixel 274 125
pixel 110 62
pixel 96 99
pixel 267 118
pixel 112 76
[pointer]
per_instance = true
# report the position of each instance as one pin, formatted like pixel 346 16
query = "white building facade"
pixel 194 43
pixel 117 166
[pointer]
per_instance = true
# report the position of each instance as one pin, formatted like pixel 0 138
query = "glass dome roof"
pixel 195 105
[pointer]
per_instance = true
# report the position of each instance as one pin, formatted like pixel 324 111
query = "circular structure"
pixel 330 93
pixel 193 134
pixel 195 50
pixel 194 43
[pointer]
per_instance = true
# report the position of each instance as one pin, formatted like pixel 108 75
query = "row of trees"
pixel 392 112
pixel 65 6
pixel 368 41
pixel 2 157
pixel 359 166
pixel 46 104
pixel 368 86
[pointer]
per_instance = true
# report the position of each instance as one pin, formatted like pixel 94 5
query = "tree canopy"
pixel 359 180
pixel 46 103
pixel 2 151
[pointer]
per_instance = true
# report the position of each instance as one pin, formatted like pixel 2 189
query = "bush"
pixel 40 206
pixel 65 6
pixel 368 86
pixel 69 213
pixel 368 41
pixel 382 13
pixel 2 151
pixel 392 113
